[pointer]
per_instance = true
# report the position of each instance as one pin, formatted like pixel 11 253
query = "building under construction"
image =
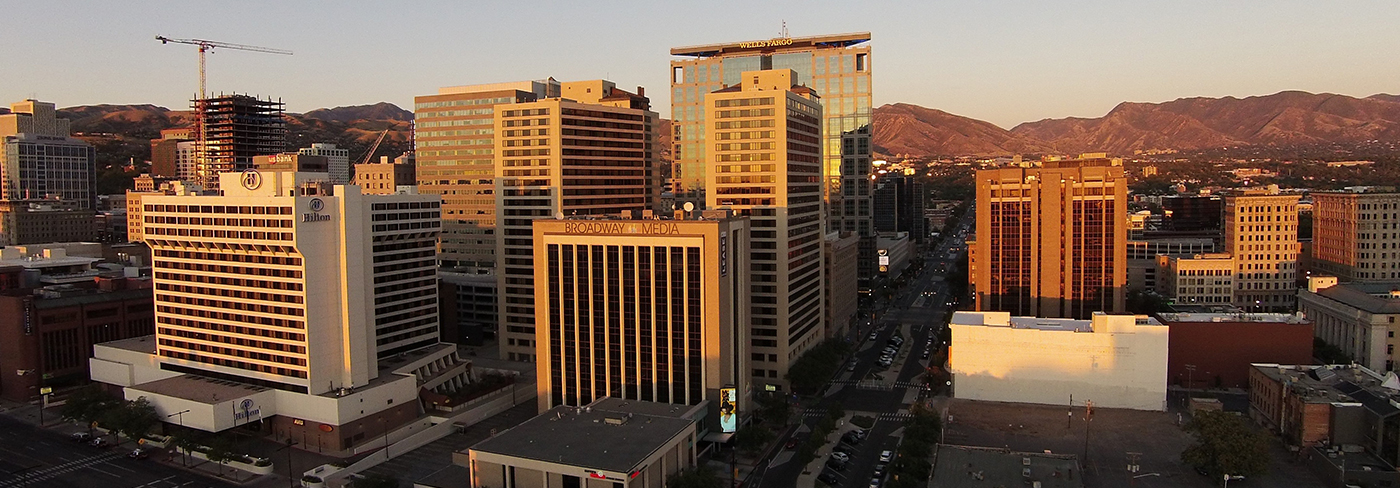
pixel 236 128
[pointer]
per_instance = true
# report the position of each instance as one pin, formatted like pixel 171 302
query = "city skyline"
pixel 950 57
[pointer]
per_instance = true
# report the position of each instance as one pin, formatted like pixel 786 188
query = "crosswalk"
pixel 895 417
pixel 59 470
pixel 878 385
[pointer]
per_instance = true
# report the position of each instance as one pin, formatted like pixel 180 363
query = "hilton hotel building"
pixel 767 166
pixel 837 68
pixel 286 298
pixel 642 309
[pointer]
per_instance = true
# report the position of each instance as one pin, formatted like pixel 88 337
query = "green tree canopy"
pixel 753 438
pixel 376 480
pixel 697 477
pixel 817 365
pixel 1225 444
pixel 89 404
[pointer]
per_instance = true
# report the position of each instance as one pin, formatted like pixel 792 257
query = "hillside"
pixel 1282 119
pixel 378 111
pixel 905 129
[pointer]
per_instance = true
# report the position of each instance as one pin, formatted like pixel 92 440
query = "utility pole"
pixel 185 453
pixel 1088 421
pixel 1133 467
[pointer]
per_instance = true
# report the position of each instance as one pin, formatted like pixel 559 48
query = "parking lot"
pixel 1111 436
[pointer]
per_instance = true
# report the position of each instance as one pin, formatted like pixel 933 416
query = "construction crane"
pixel 206 46
pixel 374 147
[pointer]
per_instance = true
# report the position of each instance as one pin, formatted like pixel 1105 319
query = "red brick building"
pixel 47 334
pixel 1215 350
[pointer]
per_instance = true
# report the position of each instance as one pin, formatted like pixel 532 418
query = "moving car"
pixel 792 443
pixel 886 456
pixel 852 366
pixel 139 453
pixel 874 335
pixel 100 442
pixel 81 437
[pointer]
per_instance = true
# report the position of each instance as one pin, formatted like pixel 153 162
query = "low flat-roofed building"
pixel 606 444
pixel 1358 318
pixel 989 467
pixel 1117 361
pixel 1214 350
pixel 1202 278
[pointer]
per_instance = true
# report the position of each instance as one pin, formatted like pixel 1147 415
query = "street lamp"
pixel 185 452
pixel 1231 477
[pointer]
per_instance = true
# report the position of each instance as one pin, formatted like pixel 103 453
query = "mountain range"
pixel 902 129
pixel 1282 119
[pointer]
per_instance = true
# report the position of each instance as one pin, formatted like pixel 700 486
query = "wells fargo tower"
pixel 1052 238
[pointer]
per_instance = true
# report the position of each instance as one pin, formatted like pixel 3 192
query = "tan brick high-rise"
pixel 1051 238
pixel 1356 233
pixel 1261 231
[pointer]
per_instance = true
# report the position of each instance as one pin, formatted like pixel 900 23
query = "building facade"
pixel 899 206
pixel 170 153
pixel 766 165
pixel 836 67
pixel 1261 232
pixel 650 310
pixel 1355 234
pixel 293 162
pixel 1193 213
pixel 386 177
pixel 841 288
pixel 454 143
pixel 1215 350
pixel 568 157
pixel 44 221
pixel 1203 279
pixel 1358 318
pixel 337 161
pixel 39 161
pixel 1051 239
pixel 1116 361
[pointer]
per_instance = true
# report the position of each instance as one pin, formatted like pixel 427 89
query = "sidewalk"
pixel 808 478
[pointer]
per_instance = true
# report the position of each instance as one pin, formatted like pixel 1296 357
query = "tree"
pixel 773 408
pixel 697 477
pixel 817 365
pixel 184 442
pixel 1225 444
pixel 133 419
pixel 88 405
pixel 220 451
pixel 752 438
pixel 376 480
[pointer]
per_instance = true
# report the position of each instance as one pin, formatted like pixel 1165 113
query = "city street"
pixel 872 390
pixel 35 457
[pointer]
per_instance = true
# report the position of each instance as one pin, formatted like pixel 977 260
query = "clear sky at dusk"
pixel 1001 61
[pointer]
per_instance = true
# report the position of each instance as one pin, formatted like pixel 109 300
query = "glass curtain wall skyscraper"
pixel 837 67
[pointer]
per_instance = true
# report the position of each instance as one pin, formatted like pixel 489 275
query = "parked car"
pixel 924 355
pixel 840 456
pixel 851 437
pixel 846 449
pixel 880 470
pixel 851 366
pixel 874 482
pixel 792 443
pixel 139 453
pixel 874 335
pixel 81 437
pixel 885 362
pixel 836 464
pixel 829 478
pixel 862 433
pixel 886 456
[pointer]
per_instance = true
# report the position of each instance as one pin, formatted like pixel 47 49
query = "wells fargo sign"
pixel 781 41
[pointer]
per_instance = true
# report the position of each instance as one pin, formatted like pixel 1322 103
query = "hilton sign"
pixel 587 227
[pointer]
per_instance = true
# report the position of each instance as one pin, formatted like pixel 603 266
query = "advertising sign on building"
pixel 728 410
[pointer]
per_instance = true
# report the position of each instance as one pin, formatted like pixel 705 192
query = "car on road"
pixel 886 456
pixel 100 442
pixel 874 335
pixel 880 470
pixel 81 437
pixel 829 478
pixel 840 456
pixel 852 366
pixel 924 355
pixel 139 453
pixel 792 443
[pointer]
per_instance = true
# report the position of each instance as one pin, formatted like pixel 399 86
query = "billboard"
pixel 728 410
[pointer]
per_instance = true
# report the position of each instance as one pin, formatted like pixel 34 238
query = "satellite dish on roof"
pixel 689 207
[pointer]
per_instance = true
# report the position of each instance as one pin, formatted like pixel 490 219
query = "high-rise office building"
pixel 1052 238
pixel 236 128
pixel 1356 233
pixel 337 161
pixel 836 67
pixel 767 164
pixel 454 145
pixel 38 159
pixel 590 155
pixel 899 206
pixel 1261 232
pixel 643 309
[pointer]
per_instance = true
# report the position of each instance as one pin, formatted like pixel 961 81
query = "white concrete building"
pixel 1359 318
pixel 337 161
pixel 292 295
pixel 1115 361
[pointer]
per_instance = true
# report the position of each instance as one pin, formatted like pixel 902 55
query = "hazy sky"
pixel 1001 61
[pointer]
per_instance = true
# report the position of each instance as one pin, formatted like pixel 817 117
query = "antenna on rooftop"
pixel 783 33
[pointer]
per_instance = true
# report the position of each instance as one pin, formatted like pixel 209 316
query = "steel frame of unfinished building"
pixel 234 128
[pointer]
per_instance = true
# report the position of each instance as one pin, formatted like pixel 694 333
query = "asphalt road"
pixel 31 457
pixel 875 390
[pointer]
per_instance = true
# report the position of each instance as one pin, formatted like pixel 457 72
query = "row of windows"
pixel 215 268
pixel 224 209
pixel 233 329
pixel 236 341
pixel 461 103
pixel 220 280
pixel 220 234
pixel 236 258
pixel 232 317
pixel 232 363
